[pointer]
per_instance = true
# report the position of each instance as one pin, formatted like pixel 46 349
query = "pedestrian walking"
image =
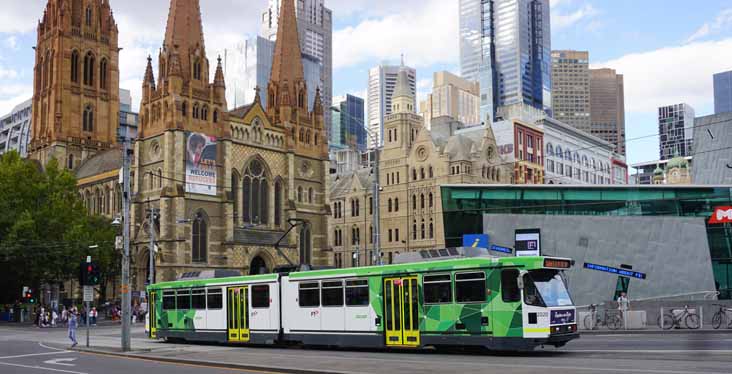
pixel 54 318
pixel 93 316
pixel 73 324
pixel 624 306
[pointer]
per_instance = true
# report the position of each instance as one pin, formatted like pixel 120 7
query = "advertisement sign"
pixel 476 241
pixel 498 248
pixel 201 151
pixel 722 214
pixel 528 242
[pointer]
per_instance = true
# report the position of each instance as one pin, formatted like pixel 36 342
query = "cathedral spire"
pixel 219 77
pixel 149 77
pixel 287 64
pixel 184 31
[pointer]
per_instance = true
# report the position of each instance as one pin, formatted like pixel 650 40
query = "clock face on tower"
pixel 422 153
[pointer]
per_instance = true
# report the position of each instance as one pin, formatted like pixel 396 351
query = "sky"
pixel 667 50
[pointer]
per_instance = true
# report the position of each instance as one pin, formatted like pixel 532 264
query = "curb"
pixel 203 363
pixel 655 332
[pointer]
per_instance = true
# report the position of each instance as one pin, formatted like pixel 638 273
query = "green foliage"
pixel 44 229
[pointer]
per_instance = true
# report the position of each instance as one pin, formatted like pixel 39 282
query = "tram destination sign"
pixel 612 270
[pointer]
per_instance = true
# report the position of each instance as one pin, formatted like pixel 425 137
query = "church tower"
pixel 76 82
pixel 287 92
pixel 183 96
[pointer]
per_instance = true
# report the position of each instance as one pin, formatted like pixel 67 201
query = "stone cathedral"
pixel 227 184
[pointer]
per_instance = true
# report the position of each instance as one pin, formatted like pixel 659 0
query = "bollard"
pixel 661 317
pixel 701 317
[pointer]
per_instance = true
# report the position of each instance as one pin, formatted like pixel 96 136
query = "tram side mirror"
pixel 520 280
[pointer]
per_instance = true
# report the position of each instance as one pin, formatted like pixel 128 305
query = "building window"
pixel 278 203
pixel 88 119
pixel 103 74
pixel 184 108
pixel 432 230
pixel 421 198
pixel 75 66
pixel 432 174
pixel 71 162
pixel 235 193
pixel 371 205
pixel 432 202
pixel 216 116
pixel 310 195
pixel 89 69
pixel 414 202
pixel 195 110
pixel 389 205
pixel 423 230
pixel 396 204
pixel 197 70
pixel 200 239
pixel 256 194
pixel 88 16
pixel 305 244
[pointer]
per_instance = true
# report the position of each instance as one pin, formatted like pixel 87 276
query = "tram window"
pixel 437 289
pixel 357 293
pixel 183 299
pixel 510 292
pixel 309 295
pixel 214 298
pixel 198 299
pixel 332 293
pixel 470 287
pixel 260 296
pixel 168 300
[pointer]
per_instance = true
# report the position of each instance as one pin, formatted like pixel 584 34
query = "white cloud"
pixel 561 20
pixel 12 95
pixel 6 73
pixel 12 42
pixel 21 16
pixel 722 22
pixel 672 75
pixel 387 37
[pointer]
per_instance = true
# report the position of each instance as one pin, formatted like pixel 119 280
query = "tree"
pixel 42 224
pixel 96 231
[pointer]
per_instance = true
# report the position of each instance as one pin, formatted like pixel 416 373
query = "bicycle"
pixel 720 317
pixel 670 320
pixel 594 320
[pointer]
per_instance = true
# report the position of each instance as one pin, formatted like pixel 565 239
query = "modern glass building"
pixel 347 127
pixel 723 92
pixel 464 207
pixel 506 46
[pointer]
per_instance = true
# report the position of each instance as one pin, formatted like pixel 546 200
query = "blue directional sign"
pixel 476 240
pixel 498 248
pixel 612 270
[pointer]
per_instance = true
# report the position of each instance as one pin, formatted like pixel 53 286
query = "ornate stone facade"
pixel 76 82
pixel 269 166
pixel 414 162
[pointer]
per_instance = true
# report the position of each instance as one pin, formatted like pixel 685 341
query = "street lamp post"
pixel 126 141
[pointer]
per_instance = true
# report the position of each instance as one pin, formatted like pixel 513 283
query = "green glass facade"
pixel 464 206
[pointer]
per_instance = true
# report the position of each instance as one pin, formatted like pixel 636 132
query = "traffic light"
pixel 29 298
pixel 89 274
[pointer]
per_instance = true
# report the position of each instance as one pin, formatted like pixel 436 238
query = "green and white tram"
pixel 511 303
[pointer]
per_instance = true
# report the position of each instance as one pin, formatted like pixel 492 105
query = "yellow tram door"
pixel 153 315
pixel 401 314
pixel 237 313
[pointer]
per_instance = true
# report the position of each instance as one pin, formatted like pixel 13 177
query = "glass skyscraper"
pixel 505 45
pixel 723 92
pixel 348 123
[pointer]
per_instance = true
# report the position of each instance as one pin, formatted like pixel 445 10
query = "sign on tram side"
pixel 612 270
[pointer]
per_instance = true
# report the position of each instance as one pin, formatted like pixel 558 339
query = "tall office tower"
pixel 382 81
pixel 505 45
pixel 248 65
pixel 348 123
pixel 315 24
pixel 675 130
pixel 607 107
pixel 454 97
pixel 571 88
pixel 723 92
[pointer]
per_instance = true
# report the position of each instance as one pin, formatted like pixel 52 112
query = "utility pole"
pixel 125 139
pixel 152 216
pixel 376 215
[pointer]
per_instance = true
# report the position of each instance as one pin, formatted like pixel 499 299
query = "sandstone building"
pixel 414 162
